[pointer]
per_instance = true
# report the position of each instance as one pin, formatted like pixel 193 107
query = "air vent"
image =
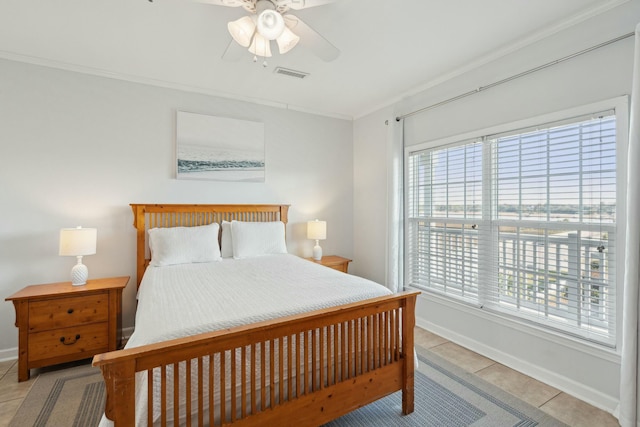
pixel 290 73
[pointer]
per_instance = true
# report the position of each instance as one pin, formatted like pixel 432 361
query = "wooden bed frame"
pixel 335 360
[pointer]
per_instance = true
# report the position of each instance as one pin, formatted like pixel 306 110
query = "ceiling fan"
pixel 268 21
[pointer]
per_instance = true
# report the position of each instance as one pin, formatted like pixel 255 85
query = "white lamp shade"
pixel 270 24
pixel 78 241
pixel 287 41
pixel 317 230
pixel 260 46
pixel 242 30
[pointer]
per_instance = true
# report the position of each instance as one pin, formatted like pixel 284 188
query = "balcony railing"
pixel 562 275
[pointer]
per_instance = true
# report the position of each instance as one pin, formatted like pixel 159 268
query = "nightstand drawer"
pixel 93 338
pixel 64 312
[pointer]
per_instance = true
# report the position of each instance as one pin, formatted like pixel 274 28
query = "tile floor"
pixel 562 406
pixel 550 400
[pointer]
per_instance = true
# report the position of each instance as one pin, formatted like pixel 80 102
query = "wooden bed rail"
pixel 301 370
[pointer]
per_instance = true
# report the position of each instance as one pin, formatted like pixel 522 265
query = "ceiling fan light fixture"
pixel 287 41
pixel 269 20
pixel 260 46
pixel 242 30
pixel 270 24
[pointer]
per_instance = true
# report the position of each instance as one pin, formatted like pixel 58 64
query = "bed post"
pixel 408 326
pixel 139 224
pixel 120 382
pixel 284 213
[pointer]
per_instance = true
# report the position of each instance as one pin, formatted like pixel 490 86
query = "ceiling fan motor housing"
pixel 270 23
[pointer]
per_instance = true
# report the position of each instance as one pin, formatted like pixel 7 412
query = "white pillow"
pixel 226 241
pixel 184 245
pixel 252 239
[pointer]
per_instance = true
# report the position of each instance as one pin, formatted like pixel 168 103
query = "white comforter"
pixel 182 300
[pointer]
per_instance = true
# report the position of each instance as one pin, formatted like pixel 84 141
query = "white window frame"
pixel 621 107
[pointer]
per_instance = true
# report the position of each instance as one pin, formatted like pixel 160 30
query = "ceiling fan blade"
pixel 234 51
pixel 302 4
pixel 311 39
pixel 248 5
pixel 229 3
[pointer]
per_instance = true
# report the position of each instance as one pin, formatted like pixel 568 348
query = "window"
pixel 522 223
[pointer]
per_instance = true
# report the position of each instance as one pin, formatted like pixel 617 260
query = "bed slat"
pixel 200 391
pixel 254 370
pixel 212 412
pixel 176 394
pixel 243 383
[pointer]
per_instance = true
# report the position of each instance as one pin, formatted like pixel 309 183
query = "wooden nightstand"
pixel 58 322
pixel 333 261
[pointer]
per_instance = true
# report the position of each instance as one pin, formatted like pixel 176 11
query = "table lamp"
pixel 317 230
pixel 78 242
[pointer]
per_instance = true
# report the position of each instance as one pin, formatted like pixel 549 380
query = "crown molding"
pixel 515 46
pixel 99 72
pixel 511 48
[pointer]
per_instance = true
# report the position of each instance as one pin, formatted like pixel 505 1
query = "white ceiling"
pixel 388 48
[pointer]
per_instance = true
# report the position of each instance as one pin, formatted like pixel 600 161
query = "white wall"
pixel 370 195
pixel 586 371
pixel 77 149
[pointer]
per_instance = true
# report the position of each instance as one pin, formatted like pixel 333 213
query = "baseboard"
pixel 567 385
pixel 8 354
pixel 126 333
pixel 12 353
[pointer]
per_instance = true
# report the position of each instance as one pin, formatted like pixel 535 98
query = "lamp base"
pixel 317 252
pixel 79 273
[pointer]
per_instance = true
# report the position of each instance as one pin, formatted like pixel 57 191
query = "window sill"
pixel 600 351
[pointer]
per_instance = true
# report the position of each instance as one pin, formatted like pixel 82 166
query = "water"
pixel 222 164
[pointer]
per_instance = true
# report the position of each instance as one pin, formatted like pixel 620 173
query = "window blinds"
pixel 445 209
pixel 555 196
pixel 522 223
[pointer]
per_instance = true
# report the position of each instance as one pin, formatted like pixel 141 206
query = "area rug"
pixel 448 396
pixel 445 395
pixel 67 397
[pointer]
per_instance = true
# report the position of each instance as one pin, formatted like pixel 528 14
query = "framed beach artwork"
pixel 219 148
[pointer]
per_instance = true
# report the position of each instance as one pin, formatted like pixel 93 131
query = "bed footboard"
pixel 303 370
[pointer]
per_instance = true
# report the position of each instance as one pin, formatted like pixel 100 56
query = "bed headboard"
pixel 150 216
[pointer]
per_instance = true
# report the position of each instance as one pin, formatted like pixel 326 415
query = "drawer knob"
pixel 63 341
pixel 70 311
